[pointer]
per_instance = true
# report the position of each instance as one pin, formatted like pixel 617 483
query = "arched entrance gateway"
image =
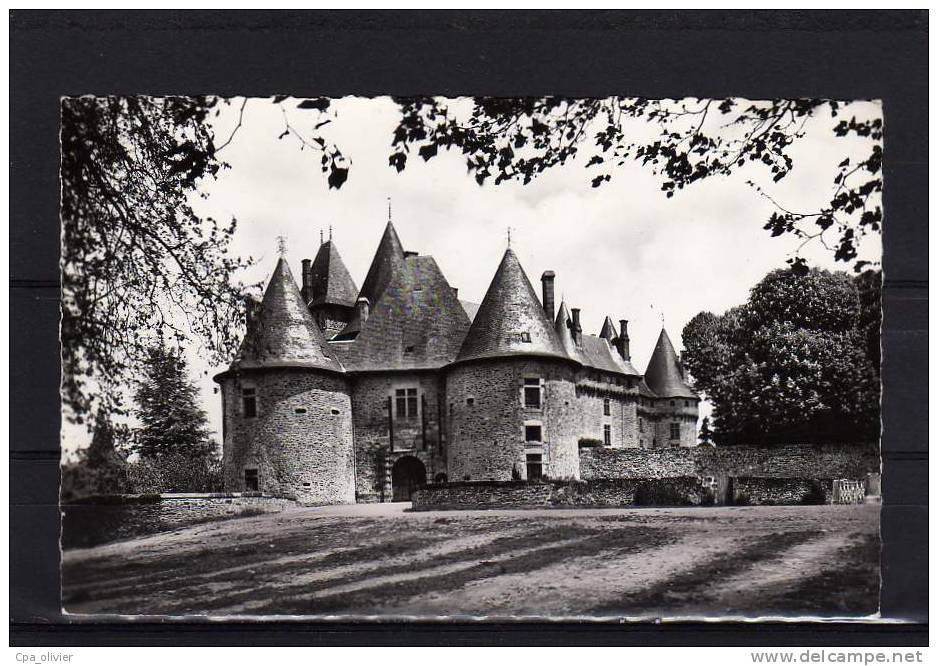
pixel 407 475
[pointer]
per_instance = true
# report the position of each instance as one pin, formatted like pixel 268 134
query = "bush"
pixel 175 473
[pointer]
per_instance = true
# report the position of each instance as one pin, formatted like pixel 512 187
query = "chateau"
pixel 342 395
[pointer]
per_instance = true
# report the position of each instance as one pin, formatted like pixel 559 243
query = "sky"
pixel 623 249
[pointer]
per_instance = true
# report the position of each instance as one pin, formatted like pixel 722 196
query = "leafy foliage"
pixel 138 264
pixel 705 437
pixel 793 364
pixel 518 139
pixel 171 421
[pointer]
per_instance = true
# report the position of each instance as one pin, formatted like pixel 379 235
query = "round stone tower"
pixel 510 393
pixel 287 414
pixel 676 405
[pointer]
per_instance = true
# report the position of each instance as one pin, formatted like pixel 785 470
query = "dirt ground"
pixel 380 560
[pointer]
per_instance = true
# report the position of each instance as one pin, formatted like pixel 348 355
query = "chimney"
pixel 547 291
pixel 622 342
pixel 576 329
pixel 363 307
pixel 307 289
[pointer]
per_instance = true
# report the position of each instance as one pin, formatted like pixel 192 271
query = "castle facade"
pixel 342 395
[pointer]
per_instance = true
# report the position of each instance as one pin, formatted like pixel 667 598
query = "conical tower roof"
pixel 510 320
pixel 331 281
pixel 283 333
pixel 664 375
pixel 389 258
pixel 608 330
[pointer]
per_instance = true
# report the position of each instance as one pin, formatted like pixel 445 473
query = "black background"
pixel 843 55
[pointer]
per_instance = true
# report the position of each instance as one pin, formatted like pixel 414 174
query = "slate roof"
pixel 598 353
pixel 417 322
pixel 510 320
pixel 283 333
pixel 331 281
pixel 594 351
pixel 388 260
pixel 664 375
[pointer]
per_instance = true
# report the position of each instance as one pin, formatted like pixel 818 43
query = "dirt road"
pixel 378 560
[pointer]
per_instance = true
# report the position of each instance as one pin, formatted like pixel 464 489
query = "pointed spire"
pixel 510 320
pixel 330 280
pixel 609 330
pixel 389 257
pixel 664 374
pixel 282 332
pixel 562 326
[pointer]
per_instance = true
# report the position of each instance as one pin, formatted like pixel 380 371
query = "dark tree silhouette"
pixel 792 364
pixel 171 420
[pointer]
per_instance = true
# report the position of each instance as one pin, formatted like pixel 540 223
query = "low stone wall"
pixel 784 462
pixel 96 520
pixel 679 491
pixel 775 491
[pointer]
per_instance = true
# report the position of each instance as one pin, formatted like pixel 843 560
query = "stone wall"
pixel 300 441
pixel 681 491
pixel 849 461
pixel 486 419
pixel 420 436
pixel 780 491
pixel 622 418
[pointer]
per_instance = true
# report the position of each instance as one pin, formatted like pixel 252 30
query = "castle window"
pixel 675 431
pixel 249 402
pixel 607 435
pixel 251 481
pixel 335 412
pixel 470 401
pixel 535 466
pixel 641 424
pixel 606 410
pixel 672 403
pixel 532 433
pixel 687 403
pixel 406 402
pixel 532 392
pixel 299 410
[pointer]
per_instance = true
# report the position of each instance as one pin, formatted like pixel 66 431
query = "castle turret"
pixel 286 408
pixel 329 290
pixel 676 405
pixel 511 391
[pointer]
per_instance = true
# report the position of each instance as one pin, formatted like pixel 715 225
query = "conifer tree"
pixel 171 420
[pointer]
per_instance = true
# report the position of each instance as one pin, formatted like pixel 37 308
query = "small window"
pixel 535 466
pixel 525 336
pixel 470 401
pixel 532 433
pixel 641 424
pixel 335 412
pixel 606 410
pixel 306 484
pixel 672 403
pixel 532 392
pixel 675 431
pixel 687 403
pixel 406 402
pixel 299 410
pixel 607 435
pixel 251 481
pixel 249 402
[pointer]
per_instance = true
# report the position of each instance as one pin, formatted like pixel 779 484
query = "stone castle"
pixel 342 395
